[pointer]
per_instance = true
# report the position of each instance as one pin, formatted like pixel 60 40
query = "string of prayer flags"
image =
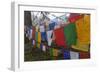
pixel 57 35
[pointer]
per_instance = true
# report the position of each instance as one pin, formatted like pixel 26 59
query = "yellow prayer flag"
pixel 83 29
pixel 81 47
pixel 39 39
pixel 55 52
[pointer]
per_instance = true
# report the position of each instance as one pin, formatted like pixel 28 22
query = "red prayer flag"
pixel 74 17
pixel 84 55
pixel 59 37
pixel 33 32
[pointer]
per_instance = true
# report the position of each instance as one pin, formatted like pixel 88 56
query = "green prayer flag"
pixel 70 34
pixel 51 51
